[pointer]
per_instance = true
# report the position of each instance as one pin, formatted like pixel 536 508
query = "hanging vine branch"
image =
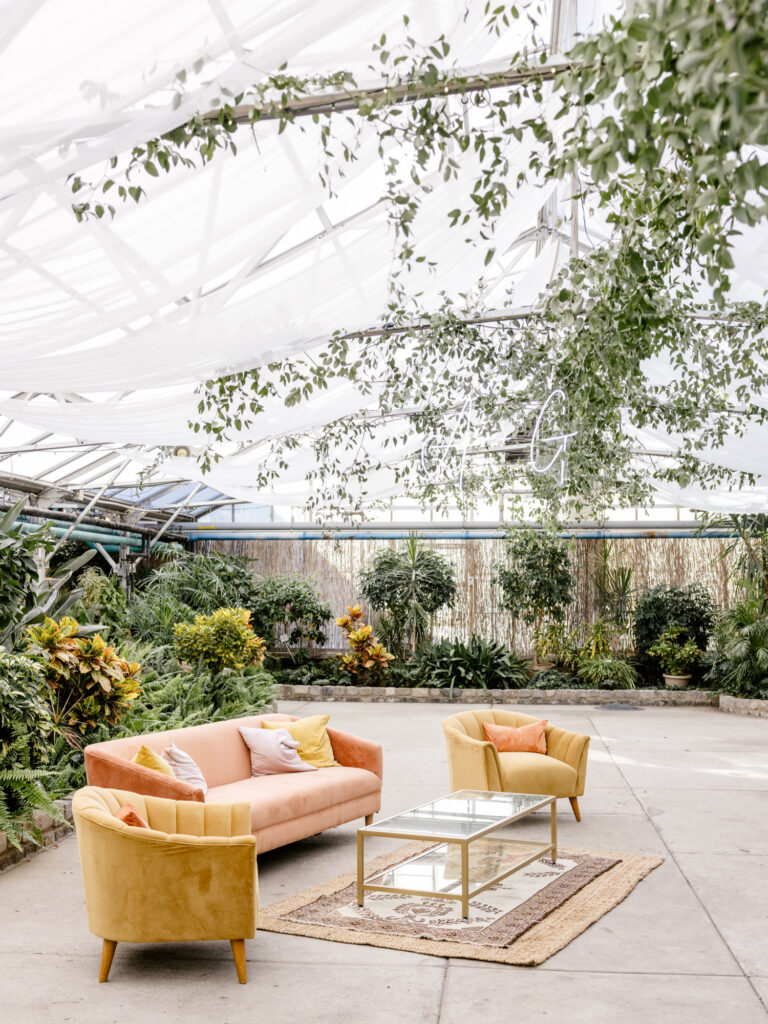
pixel 657 118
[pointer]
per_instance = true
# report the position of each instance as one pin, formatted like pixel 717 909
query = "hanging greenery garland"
pixel 656 122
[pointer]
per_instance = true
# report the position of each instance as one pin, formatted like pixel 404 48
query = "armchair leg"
pixel 238 951
pixel 575 806
pixel 369 819
pixel 107 953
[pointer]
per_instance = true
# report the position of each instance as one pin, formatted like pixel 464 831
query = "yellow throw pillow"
pixel 313 739
pixel 147 758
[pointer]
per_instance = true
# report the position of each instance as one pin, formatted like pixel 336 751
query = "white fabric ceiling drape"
pixel 228 266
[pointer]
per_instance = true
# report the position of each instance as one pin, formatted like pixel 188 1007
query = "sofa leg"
pixel 238 951
pixel 575 805
pixel 107 953
pixel 369 819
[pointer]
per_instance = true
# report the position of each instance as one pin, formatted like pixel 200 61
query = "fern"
pixel 740 663
pixel 22 793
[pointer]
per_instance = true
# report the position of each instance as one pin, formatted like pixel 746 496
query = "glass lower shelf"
pixel 438 871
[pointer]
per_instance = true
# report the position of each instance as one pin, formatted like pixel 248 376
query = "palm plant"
pixel 203 582
pixel 748 547
pixel 740 663
pixel 408 587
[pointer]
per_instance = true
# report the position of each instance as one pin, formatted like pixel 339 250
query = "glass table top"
pixel 461 815
pixel 438 871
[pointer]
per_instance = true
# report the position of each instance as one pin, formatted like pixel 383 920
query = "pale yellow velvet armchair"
pixel 189 877
pixel 475 763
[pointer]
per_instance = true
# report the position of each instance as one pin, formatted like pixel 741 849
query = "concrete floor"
pixel 689 944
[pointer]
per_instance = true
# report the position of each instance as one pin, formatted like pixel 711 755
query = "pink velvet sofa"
pixel 284 808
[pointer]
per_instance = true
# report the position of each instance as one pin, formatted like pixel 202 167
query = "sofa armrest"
pixel 472 764
pixel 354 752
pixel 571 748
pixel 112 772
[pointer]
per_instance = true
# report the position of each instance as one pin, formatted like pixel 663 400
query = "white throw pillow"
pixel 273 751
pixel 185 768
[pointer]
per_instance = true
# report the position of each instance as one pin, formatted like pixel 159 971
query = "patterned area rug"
pixel 522 920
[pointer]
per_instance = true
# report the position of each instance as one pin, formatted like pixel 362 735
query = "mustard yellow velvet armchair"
pixel 189 877
pixel 475 763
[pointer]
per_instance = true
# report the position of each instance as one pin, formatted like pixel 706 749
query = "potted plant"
pixel 677 654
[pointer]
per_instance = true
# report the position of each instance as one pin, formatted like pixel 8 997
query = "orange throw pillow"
pixel 528 738
pixel 131 816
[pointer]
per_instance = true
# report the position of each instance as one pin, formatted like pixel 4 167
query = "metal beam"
pixel 84 469
pixel 65 516
pixel 91 503
pixel 106 556
pixel 168 522
pixel 659 527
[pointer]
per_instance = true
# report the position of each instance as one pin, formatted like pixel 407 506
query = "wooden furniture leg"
pixel 238 951
pixel 107 953
pixel 575 806
pixel 369 819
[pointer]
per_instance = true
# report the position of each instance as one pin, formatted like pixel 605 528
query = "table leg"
pixel 465 880
pixel 360 866
pixel 553 807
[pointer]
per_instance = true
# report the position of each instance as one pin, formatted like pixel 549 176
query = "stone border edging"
pixel 743 706
pixel 427 695
pixel 52 831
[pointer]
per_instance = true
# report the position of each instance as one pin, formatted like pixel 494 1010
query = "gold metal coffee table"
pixel 468 855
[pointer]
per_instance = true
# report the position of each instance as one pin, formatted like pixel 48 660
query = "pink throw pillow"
pixel 527 739
pixel 273 751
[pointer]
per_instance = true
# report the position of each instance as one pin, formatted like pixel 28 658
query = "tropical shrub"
pixel 154 614
pixel 172 700
pixel 25 722
pixel 557 644
pixel 21 791
pixel 223 639
pixel 605 672
pixel 203 582
pixel 18 568
pixel 368 658
pixel 551 679
pixel 103 601
pixel 740 661
pixel 597 640
pixel 479 663
pixel 88 683
pixel 287 609
pixel 23 709
pixel 675 651
pixel 319 671
pixel 691 608
pixel 27 593
pixel 536 582
pixel 408 586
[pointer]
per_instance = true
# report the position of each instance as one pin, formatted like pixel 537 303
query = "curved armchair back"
pixel 190 876
pixel 473 761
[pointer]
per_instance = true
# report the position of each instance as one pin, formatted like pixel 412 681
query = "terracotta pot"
pixel 676 682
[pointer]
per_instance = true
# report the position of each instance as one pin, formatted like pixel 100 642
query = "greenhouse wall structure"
pixel 336 565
